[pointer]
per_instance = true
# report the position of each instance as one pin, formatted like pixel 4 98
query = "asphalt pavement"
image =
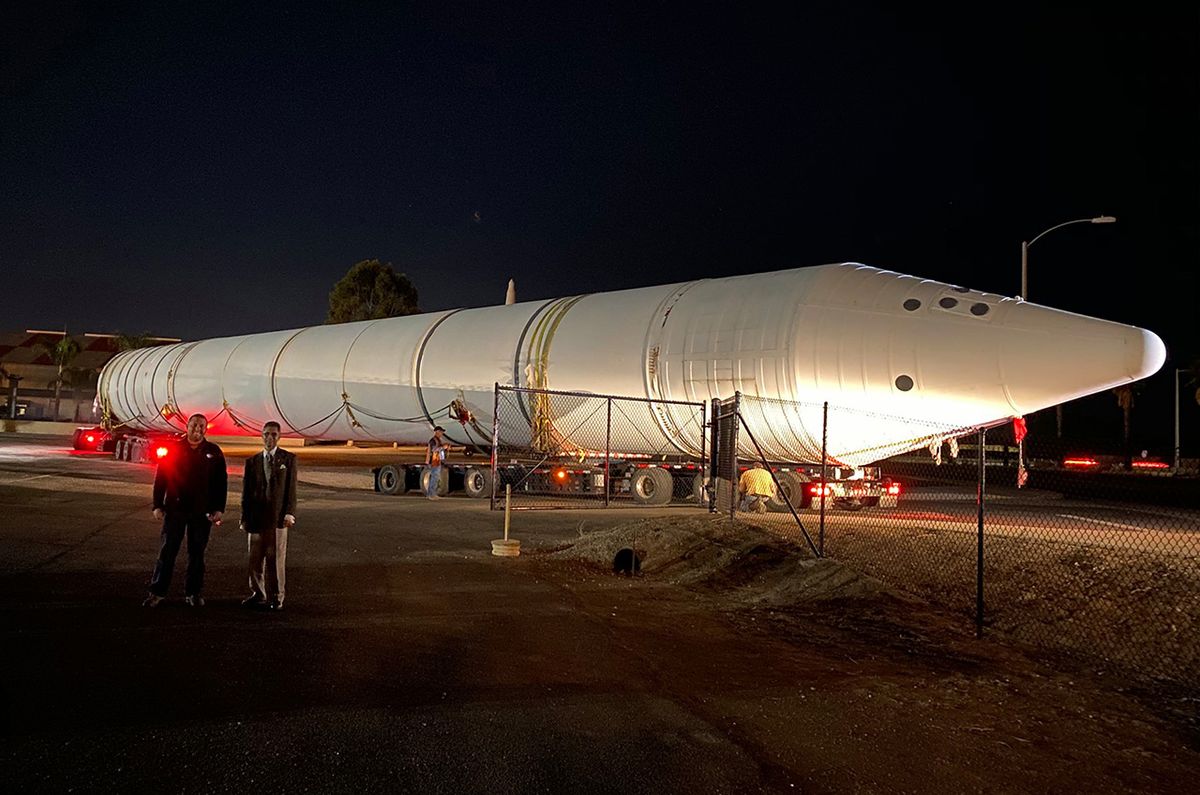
pixel 409 659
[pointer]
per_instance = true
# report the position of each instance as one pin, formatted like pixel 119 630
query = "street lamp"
pixel 1099 219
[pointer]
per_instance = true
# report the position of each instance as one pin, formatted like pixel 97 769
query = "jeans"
pixel 175 525
pixel 435 477
pixel 756 503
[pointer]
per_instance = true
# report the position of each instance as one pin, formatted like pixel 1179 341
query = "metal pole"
pixel 1024 270
pixel 824 478
pixel 495 436
pixel 733 454
pixel 1177 372
pixel 713 456
pixel 980 498
pixel 703 477
pixel 607 451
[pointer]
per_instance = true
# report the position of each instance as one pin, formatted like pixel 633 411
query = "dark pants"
pixel 175 525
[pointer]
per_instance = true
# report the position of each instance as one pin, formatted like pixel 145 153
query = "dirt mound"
pixel 743 563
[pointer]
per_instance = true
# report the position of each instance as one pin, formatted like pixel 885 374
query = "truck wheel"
pixel 792 484
pixel 119 450
pixel 137 452
pixel 390 480
pixel 651 486
pixel 443 487
pixel 478 483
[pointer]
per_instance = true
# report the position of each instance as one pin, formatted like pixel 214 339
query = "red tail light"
pixel 894 488
pixel 90 438
pixel 162 452
pixel 1081 462
pixel 816 490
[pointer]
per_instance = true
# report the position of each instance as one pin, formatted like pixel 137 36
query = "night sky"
pixel 204 169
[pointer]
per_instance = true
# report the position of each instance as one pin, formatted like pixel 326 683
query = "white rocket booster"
pixel 905 352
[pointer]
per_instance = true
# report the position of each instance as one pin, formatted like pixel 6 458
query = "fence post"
pixel 980 499
pixel 607 451
pixel 733 455
pixel 824 472
pixel 713 455
pixel 495 437
pixel 702 475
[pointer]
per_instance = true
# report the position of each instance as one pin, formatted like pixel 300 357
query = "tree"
pixel 1192 371
pixel 371 290
pixel 61 353
pixel 131 342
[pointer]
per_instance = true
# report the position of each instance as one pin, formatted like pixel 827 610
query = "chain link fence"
pixel 1089 556
pixel 556 449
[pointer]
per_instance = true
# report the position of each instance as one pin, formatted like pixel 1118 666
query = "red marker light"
pixel 90 438
pixel 161 452
pixel 1081 462
pixel 894 488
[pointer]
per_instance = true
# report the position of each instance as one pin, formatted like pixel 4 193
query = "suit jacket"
pixel 263 508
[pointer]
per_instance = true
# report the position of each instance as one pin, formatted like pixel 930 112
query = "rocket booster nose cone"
pixel 1148 357
pixel 1050 356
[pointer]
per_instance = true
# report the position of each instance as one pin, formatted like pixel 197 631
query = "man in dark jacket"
pixel 189 498
pixel 268 510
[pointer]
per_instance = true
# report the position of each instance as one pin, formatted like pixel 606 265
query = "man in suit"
pixel 268 510
pixel 189 498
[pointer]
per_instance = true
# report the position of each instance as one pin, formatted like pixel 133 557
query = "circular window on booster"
pixel 980 309
pixel 912 305
pixel 948 303
pixel 904 383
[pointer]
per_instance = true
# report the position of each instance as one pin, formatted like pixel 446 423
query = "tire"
pixel 137 452
pixel 443 487
pixel 477 482
pixel 390 480
pixel 792 484
pixel 119 450
pixel 651 486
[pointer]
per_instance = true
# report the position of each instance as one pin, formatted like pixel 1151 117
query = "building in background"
pixel 29 372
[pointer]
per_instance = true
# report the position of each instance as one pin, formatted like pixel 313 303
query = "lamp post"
pixel 1099 219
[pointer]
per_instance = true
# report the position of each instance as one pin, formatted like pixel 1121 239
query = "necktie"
pixel 267 458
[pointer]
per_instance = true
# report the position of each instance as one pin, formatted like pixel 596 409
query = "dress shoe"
pixel 195 600
pixel 252 600
pixel 152 600
pixel 275 605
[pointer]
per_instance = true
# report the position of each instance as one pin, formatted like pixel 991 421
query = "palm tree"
pixel 61 353
pixel 131 342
